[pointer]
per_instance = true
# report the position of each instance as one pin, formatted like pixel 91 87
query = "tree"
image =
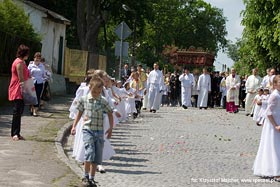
pixel 184 23
pixel 14 21
pixel 261 36
pixel 233 51
pixel 15 29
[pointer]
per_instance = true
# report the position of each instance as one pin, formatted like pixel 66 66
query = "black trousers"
pixel 39 89
pixel 138 105
pixel 17 112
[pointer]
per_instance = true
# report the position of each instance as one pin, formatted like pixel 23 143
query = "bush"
pixel 15 29
pixel 14 21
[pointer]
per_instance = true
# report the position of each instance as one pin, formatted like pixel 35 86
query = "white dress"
pixel 257 108
pixel 78 146
pixel 121 104
pixel 267 162
pixel 262 113
pixel 129 100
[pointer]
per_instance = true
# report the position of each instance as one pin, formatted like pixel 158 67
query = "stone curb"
pixel 62 134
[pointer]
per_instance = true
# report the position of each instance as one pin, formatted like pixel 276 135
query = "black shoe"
pixel 185 107
pixel 93 183
pixel 151 110
pixel 200 108
pixel 251 115
pixel 135 115
pixel 247 114
pixel 144 108
pixel 154 111
pixel 86 182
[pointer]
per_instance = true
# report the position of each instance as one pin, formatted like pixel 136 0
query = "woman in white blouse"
pixel 37 72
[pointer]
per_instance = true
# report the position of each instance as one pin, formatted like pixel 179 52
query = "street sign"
pixel 123 31
pixel 124 45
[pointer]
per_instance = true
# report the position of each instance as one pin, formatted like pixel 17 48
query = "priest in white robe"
pixel 203 88
pixel 187 83
pixel 252 84
pixel 232 98
pixel 155 87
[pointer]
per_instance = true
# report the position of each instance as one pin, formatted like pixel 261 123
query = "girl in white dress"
pixel 129 99
pixel 257 104
pixel 120 102
pixel 264 100
pixel 78 146
pixel 267 162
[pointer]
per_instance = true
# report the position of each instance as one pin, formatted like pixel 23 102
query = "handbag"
pixel 46 93
pixel 29 93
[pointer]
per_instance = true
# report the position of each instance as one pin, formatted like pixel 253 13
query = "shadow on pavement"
pixel 129 172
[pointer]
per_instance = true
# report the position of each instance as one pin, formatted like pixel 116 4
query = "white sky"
pixel 231 10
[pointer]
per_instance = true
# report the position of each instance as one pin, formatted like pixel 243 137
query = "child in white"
pixel 129 99
pixel 120 106
pixel 257 104
pixel 267 162
pixel 78 146
pixel 262 113
pixel 223 90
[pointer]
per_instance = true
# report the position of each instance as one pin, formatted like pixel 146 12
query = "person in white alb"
pixel 265 80
pixel 232 97
pixel 187 82
pixel 155 86
pixel 252 84
pixel 203 88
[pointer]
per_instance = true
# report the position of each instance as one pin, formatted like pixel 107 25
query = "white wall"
pixel 50 32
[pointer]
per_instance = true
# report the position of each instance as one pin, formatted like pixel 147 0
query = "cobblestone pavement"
pixel 176 148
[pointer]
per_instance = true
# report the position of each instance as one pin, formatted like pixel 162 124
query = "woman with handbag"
pixel 20 73
pixel 37 72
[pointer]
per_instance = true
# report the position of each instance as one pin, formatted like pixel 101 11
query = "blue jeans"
pixel 94 143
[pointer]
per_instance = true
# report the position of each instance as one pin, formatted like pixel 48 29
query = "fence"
pixel 77 63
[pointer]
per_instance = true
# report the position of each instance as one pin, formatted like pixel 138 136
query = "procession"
pixel 139 93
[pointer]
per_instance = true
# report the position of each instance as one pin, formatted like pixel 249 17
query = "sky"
pixel 231 10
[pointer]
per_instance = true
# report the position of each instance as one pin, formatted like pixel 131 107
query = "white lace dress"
pixel 267 162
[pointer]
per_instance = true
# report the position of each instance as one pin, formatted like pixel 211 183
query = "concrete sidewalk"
pixel 35 162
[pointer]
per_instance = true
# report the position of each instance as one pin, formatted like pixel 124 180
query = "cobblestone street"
pixel 176 147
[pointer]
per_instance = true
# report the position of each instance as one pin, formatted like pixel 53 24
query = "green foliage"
pixel 14 21
pixel 182 23
pixel 261 38
pixel 154 23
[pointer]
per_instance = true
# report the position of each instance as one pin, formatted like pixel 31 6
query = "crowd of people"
pixel 139 90
pixel 102 102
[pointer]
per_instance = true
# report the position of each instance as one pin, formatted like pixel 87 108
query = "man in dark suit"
pixel 125 73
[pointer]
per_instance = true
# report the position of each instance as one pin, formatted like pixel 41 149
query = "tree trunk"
pixel 89 21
